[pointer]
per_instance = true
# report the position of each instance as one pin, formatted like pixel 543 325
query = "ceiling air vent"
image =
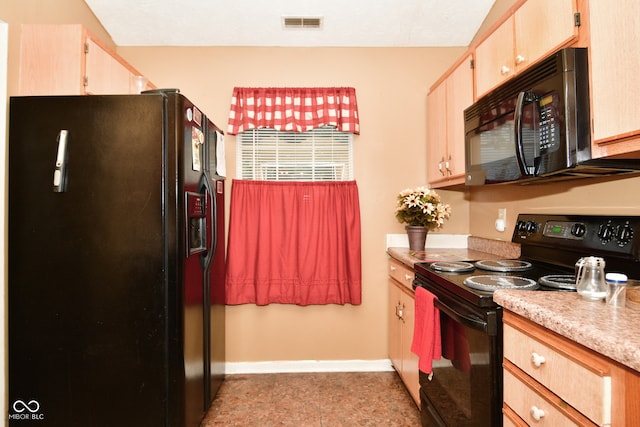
pixel 301 23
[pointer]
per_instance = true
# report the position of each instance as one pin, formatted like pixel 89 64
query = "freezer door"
pixel 92 277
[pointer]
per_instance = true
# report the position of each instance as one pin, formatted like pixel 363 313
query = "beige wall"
pixel 389 156
pixel 391 86
pixel 602 196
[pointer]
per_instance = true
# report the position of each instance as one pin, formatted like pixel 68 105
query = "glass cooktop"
pixel 463 277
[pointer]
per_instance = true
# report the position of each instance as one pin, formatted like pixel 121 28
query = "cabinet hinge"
pixel 576 19
pixel 472 64
pixel 85 81
pixel 86 47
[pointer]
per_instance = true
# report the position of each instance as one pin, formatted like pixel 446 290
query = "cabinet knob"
pixel 407 277
pixel 536 413
pixel 505 70
pixel 392 268
pixel 440 166
pixel 520 59
pixel 537 359
pixel 447 165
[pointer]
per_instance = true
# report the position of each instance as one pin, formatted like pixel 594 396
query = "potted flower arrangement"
pixel 421 209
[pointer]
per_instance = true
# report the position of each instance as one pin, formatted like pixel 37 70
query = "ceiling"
pixel 352 23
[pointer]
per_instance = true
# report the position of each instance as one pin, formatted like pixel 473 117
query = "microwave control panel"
pixel 548 126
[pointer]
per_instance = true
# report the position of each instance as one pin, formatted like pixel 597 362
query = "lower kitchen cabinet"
pixel 401 319
pixel 550 380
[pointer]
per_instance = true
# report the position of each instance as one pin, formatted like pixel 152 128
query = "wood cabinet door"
pixel 51 60
pixel 615 64
pixel 459 96
pixel 395 325
pixel 104 73
pixel 494 58
pixel 436 133
pixel 542 27
pixel 409 359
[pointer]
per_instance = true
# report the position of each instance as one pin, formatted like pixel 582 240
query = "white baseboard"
pixel 289 366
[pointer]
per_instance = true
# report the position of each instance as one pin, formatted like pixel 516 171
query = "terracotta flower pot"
pixel 417 237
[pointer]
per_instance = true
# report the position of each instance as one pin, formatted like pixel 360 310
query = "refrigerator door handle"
pixel 206 260
pixel 210 202
pixel 60 171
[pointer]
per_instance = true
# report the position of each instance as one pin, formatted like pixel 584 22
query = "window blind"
pixel 323 154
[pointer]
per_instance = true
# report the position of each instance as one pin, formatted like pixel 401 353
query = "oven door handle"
pixel 474 323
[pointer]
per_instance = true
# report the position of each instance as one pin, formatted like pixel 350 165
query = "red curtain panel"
pixel 294 243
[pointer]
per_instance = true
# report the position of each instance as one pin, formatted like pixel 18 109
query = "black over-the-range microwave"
pixel 537 126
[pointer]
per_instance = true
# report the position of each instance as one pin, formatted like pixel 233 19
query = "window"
pixel 322 154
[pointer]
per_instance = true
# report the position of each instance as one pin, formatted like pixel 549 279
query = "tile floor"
pixel 313 400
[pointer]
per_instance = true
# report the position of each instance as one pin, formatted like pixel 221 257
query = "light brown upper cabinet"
pixel 69 60
pixel 536 29
pixel 615 81
pixel 445 126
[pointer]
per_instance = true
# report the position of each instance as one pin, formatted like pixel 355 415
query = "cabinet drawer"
pixel 510 418
pixel 536 405
pixel 401 273
pixel 579 378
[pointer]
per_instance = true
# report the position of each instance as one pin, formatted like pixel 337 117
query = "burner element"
pixel 559 281
pixel 453 266
pixel 493 282
pixel 503 265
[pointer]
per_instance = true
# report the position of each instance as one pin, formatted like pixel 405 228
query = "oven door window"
pixel 462 384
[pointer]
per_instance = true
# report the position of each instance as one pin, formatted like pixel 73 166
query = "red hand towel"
pixel 426 332
pixel 456 346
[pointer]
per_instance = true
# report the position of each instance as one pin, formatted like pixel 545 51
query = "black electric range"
pixel 550 245
pixel 462 282
pixel 471 322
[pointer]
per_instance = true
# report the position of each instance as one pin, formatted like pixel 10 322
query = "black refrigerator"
pixel 115 261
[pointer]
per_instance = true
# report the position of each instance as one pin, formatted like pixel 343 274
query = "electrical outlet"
pixel 501 222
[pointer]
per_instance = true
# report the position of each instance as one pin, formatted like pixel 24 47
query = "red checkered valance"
pixel 293 109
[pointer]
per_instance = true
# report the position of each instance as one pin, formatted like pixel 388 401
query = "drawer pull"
pixel 407 277
pixel 392 268
pixel 536 413
pixel 537 359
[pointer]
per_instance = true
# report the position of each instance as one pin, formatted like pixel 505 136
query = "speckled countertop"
pixel 610 331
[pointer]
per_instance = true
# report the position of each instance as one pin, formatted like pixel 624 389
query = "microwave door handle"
pixel 518 134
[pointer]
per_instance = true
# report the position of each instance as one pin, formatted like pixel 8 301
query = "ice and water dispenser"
pixel 196 223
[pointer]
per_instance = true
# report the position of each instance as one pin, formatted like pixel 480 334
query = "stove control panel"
pixel 564 229
pixel 616 234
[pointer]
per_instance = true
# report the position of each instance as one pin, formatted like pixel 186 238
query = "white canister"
pixel 616 289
